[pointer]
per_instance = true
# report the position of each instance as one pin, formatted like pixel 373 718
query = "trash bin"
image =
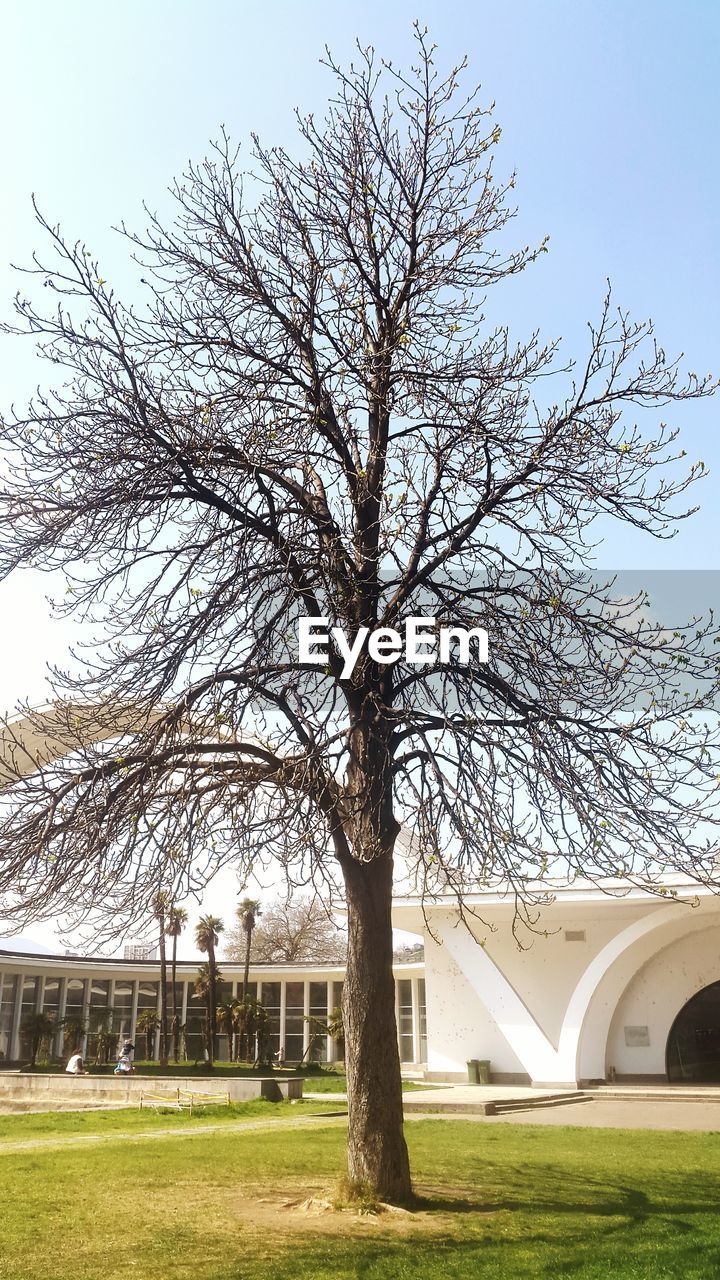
pixel 483 1071
pixel 473 1068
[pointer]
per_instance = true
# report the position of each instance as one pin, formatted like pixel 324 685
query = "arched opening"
pixel 693 1047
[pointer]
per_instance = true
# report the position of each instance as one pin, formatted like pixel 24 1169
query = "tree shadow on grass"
pixel 553 1192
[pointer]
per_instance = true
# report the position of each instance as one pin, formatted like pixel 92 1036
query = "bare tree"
pixel 292 930
pixel 311 418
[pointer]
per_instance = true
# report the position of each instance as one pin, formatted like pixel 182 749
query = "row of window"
pixel 106 1009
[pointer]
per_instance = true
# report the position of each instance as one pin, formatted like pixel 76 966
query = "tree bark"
pixel 246 973
pixel 377 1154
pixel 163 998
pixel 175 1020
pixel 212 1015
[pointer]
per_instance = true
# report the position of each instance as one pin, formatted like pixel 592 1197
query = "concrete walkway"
pixel 473 1099
pixel 612 1113
pixel 601 1114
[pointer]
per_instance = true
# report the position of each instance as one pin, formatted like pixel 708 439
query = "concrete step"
pixel 536 1104
pixel 669 1093
pixel 490 1106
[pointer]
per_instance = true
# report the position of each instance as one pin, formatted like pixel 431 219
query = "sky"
pixel 609 116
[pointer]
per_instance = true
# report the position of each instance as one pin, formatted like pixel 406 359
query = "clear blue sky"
pixel 609 112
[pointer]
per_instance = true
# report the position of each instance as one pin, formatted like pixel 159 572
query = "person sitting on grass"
pixel 76 1066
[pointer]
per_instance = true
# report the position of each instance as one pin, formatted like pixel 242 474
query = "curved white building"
pixel 113 994
pixel 617 984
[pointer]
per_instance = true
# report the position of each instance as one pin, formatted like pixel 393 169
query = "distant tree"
pixel 74 1028
pixel 39 1029
pixel 251 1022
pixel 103 1038
pixel 226 1022
pixel 247 914
pixel 207 984
pixel 413 951
pixel 291 931
pixel 160 911
pixel 207 936
pixel 147 1024
pixel 176 921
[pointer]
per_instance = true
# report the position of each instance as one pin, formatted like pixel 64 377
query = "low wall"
pixel 42 1086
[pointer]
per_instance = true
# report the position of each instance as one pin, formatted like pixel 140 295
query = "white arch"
pixel 581 1046
pixel 32 740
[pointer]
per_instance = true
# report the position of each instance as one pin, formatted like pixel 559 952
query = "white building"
pixel 113 994
pixel 614 985
pixel 617 984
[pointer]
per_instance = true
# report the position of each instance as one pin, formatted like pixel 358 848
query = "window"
pixel 294 1020
pixel 319 1011
pixel 405 1020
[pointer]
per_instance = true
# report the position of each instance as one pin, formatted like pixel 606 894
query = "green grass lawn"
pixel 498 1201
pixel 59 1124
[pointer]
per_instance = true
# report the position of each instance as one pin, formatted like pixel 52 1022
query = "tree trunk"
pixel 175 1020
pixel 377 1154
pixel 212 967
pixel 246 973
pixel 163 999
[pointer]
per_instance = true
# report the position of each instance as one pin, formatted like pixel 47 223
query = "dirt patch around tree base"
pixel 321 1210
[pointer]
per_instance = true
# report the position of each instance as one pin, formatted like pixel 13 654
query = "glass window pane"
pixel 405 1028
pixel 51 995
pixel 75 997
pixel 8 989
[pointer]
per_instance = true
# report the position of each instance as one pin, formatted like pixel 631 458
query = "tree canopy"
pixel 308 415
pixel 292 930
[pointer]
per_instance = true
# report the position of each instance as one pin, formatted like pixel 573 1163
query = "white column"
pixel 184 1008
pixel 283 1012
pixel 156 1042
pixel 85 1011
pixel 40 994
pixel 397 1016
pixel 306 1014
pixel 415 1019
pixel 330 1042
pixel 17 1010
pixel 62 1006
pixel 134 1008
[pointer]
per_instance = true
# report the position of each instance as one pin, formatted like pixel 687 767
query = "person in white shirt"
pixel 75 1066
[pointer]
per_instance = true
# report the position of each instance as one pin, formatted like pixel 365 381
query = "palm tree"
pixel 248 913
pixel 102 1038
pixel 206 985
pixel 202 988
pixel 38 1027
pixel 252 1029
pixel 176 919
pixel 148 1023
pixel 160 910
pixel 207 936
pixel 74 1031
pixel 226 1022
